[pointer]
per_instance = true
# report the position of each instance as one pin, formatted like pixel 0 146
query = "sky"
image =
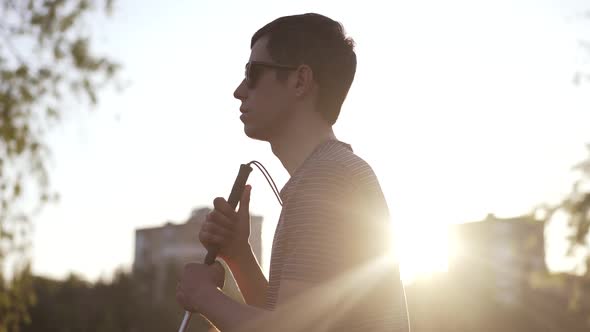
pixel 463 108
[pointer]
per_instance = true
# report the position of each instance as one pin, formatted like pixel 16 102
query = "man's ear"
pixel 304 80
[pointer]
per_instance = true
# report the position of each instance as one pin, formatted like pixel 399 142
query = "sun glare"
pixel 423 250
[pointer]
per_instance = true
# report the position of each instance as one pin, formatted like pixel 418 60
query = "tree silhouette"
pixel 45 54
pixel 576 204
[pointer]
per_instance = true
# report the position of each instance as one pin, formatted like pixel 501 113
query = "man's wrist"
pixel 240 257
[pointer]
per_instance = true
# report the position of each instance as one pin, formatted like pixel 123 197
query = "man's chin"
pixel 255 134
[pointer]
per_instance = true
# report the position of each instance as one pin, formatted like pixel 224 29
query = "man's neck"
pixel 292 148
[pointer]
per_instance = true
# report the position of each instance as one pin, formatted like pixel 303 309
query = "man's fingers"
pixel 220 219
pixel 180 297
pixel 217 230
pixel 221 205
pixel 244 210
pixel 209 239
pixel 218 267
pixel 219 274
pixel 184 302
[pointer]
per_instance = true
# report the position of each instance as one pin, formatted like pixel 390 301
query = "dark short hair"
pixel 320 43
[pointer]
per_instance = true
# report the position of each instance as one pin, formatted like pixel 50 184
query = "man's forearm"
pixel 228 315
pixel 250 279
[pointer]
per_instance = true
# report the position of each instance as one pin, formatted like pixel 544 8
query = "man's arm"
pixel 299 309
pixel 249 277
pixel 230 231
pixel 198 291
pixel 227 314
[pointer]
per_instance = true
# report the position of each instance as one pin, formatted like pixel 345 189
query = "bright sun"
pixel 423 250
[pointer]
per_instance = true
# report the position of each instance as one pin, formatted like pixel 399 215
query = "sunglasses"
pixel 254 70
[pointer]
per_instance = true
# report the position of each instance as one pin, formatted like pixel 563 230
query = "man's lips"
pixel 244 114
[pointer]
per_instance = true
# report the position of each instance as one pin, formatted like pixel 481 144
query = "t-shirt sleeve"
pixel 337 222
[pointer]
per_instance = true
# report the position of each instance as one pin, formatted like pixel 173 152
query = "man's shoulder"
pixel 333 172
pixel 338 160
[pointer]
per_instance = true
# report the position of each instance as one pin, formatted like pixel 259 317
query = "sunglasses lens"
pixel 252 74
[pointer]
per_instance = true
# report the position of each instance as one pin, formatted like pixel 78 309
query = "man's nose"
pixel 241 91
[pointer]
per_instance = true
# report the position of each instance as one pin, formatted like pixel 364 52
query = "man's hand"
pixel 226 229
pixel 194 282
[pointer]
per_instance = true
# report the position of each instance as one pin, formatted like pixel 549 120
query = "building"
pixel 488 281
pixel 498 255
pixel 497 280
pixel 486 287
pixel 165 249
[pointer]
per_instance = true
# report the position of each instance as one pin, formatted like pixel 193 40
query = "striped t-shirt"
pixel 333 234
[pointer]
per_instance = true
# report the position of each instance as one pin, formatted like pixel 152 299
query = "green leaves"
pixel 45 49
pixel 79 51
pixel 22 71
pixel 15 300
pixel 68 21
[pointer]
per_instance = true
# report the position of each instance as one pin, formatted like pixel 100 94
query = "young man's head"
pixel 300 63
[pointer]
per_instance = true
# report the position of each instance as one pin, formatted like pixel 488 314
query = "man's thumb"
pixel 244 209
pixel 219 274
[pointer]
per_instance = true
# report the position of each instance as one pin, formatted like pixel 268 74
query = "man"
pixel 331 267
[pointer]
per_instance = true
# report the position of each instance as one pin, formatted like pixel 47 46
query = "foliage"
pixel 45 54
pixel 129 302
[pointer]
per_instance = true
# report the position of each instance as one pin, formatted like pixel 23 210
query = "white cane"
pixel 185 320
pixel 234 198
